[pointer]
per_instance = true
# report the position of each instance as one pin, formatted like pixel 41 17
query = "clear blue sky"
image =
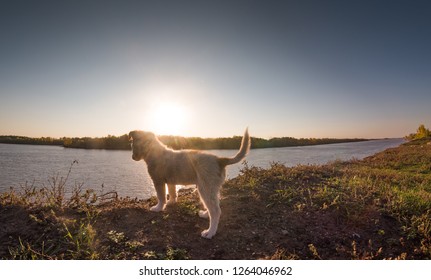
pixel 283 68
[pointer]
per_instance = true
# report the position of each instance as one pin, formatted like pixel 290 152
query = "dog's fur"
pixel 186 167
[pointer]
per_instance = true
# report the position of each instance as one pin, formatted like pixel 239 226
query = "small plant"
pixel 116 237
pixel 187 208
pixel 81 240
pixel 151 255
pixel 282 254
pixel 176 254
pixel 367 253
pixel 314 251
pixel 25 251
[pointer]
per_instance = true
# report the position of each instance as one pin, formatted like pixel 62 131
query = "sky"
pixel 212 68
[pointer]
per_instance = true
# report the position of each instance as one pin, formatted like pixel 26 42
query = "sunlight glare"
pixel 169 119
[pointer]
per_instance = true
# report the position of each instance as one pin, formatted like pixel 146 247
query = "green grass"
pixel 396 182
pixel 67 222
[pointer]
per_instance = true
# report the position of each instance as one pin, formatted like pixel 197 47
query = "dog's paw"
pixel 157 208
pixel 203 214
pixel 172 201
pixel 207 234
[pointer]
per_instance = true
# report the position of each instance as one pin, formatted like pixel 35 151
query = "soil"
pixel 249 229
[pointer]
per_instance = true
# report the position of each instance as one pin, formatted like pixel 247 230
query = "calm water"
pixel 28 164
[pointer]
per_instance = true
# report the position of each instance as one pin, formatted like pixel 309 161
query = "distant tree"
pixel 421 132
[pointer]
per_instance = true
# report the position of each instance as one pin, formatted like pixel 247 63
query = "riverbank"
pixel 175 142
pixel 375 208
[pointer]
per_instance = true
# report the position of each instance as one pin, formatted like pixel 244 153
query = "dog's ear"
pixel 141 135
pixel 132 134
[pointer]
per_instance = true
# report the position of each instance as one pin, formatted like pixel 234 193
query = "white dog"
pixel 186 167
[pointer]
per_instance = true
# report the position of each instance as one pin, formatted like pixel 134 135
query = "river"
pixel 22 165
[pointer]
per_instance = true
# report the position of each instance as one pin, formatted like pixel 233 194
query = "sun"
pixel 168 119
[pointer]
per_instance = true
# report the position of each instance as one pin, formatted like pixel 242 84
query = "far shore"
pixel 176 142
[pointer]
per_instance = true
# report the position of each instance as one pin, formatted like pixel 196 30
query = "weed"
pixel 81 239
pixel 282 254
pixel 176 254
pixel 116 237
pixel 151 255
pixel 25 251
pixel 187 208
pixel 67 238
pixel 367 253
pixel 314 251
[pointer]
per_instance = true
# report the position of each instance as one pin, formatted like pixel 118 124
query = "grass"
pixel 376 208
pixel 66 223
pixel 395 183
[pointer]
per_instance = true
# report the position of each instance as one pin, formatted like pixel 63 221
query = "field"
pixel 376 208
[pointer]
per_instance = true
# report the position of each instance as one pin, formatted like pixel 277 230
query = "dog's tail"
pixel 243 151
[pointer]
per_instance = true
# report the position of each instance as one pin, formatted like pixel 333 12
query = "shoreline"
pixel 323 141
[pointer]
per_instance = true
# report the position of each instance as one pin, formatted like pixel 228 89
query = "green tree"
pixel 422 132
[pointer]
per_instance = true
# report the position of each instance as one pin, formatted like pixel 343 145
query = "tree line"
pixel 31 141
pixel 175 142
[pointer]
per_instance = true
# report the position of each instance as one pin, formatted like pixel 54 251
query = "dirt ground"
pixel 249 229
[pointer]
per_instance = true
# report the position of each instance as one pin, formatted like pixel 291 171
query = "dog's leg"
pixel 204 214
pixel 161 197
pixel 172 194
pixel 210 199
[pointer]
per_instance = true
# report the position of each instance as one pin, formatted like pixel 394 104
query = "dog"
pixel 186 167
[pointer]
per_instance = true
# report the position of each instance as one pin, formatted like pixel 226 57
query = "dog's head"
pixel 140 141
